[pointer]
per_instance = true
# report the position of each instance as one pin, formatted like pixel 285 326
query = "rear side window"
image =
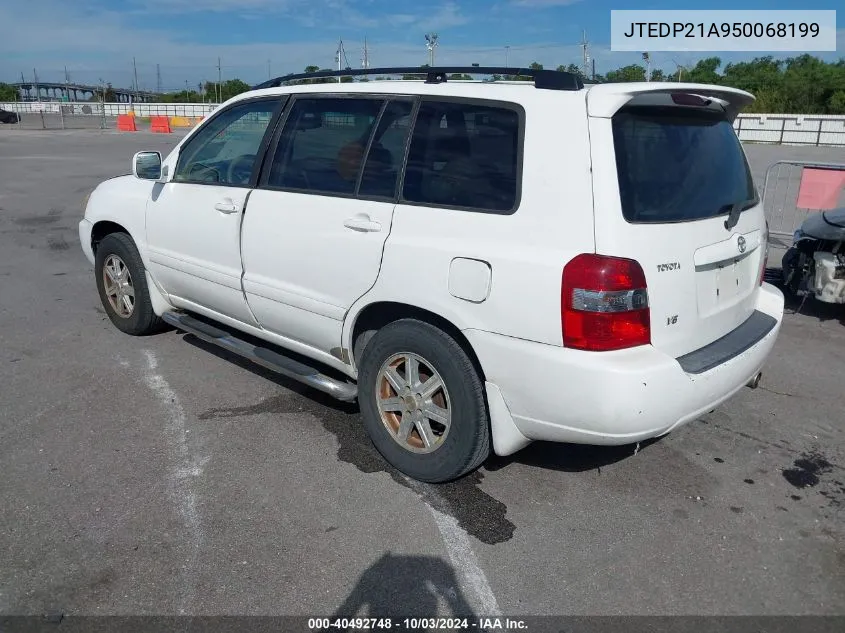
pixel 464 155
pixel 387 150
pixel 679 166
pixel 322 146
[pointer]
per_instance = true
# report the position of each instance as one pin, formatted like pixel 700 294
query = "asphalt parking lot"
pixel 159 476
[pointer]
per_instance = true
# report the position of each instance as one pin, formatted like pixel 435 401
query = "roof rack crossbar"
pixel 546 79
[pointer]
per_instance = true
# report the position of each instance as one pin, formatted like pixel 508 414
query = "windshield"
pixel 679 166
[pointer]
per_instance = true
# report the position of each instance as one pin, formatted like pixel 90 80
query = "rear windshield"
pixel 679 166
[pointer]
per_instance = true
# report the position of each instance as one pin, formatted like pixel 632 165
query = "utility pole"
pixel 585 54
pixel 431 44
pixel 594 69
pixel 269 72
pixel 158 78
pixel 339 55
pixel 135 69
pixel 219 82
pixel 67 86
pixel 507 53
pixel 37 91
pixel 365 60
pixel 647 60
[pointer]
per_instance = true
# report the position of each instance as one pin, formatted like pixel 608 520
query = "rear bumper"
pixel 565 395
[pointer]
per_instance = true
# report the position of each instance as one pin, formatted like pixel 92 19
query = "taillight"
pixel 604 304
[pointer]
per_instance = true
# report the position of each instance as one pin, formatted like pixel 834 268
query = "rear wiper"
pixel 735 209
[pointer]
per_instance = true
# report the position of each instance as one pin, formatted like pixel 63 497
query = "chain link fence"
pixel 781 198
pixel 103 116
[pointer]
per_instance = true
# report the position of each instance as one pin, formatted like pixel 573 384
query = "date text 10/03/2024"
pixel 488 625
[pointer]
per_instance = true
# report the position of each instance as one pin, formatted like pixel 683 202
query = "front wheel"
pixel 422 402
pixel 122 284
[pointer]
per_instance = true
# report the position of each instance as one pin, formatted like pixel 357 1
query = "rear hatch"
pixel 668 170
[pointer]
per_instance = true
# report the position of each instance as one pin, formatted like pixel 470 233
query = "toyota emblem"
pixel 741 244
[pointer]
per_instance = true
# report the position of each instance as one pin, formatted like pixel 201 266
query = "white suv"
pixel 477 263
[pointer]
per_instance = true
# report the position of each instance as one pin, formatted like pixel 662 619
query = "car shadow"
pixel 317 397
pixel 572 458
pixel 568 458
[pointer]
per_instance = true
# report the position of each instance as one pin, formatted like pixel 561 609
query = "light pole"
pixel 431 44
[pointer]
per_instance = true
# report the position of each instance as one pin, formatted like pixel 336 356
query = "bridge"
pixel 55 91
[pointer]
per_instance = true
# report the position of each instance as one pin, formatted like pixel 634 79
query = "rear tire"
pixel 430 433
pixel 122 284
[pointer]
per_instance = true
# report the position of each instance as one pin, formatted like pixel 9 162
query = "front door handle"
pixel 226 206
pixel 362 223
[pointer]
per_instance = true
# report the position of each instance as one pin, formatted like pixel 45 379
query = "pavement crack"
pixel 780 393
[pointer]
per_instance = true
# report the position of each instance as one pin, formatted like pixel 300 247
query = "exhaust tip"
pixel 755 382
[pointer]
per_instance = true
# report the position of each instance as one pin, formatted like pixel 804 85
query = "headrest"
pixel 349 160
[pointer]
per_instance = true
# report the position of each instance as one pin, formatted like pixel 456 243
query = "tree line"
pixel 796 85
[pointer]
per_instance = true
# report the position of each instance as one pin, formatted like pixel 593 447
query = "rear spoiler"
pixel 605 100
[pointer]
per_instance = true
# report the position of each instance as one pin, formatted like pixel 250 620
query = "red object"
pixel 682 98
pixel 820 188
pixel 598 310
pixel 160 124
pixel 126 123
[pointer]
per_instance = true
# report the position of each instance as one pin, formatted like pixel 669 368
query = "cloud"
pixel 101 43
pixel 186 7
pixel 543 3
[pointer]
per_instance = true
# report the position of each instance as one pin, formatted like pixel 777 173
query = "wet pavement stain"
pixel 39 220
pixel 736 510
pixel 478 513
pixel 57 243
pixel 718 460
pixel 748 481
pixel 806 470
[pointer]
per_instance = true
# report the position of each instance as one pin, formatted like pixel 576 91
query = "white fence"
pixel 784 129
pixel 792 129
pixel 110 109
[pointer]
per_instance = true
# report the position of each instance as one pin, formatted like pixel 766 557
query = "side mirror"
pixel 147 165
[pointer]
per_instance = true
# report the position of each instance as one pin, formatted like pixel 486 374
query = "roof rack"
pixel 545 79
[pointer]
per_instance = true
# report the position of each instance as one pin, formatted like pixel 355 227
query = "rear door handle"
pixel 226 206
pixel 362 223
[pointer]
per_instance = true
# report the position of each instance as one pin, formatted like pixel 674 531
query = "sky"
pixel 254 39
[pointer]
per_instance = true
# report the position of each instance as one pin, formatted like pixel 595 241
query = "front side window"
pixel 224 151
pixel 323 144
pixel 464 155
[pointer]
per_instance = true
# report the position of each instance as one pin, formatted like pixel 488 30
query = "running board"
pixel 263 356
